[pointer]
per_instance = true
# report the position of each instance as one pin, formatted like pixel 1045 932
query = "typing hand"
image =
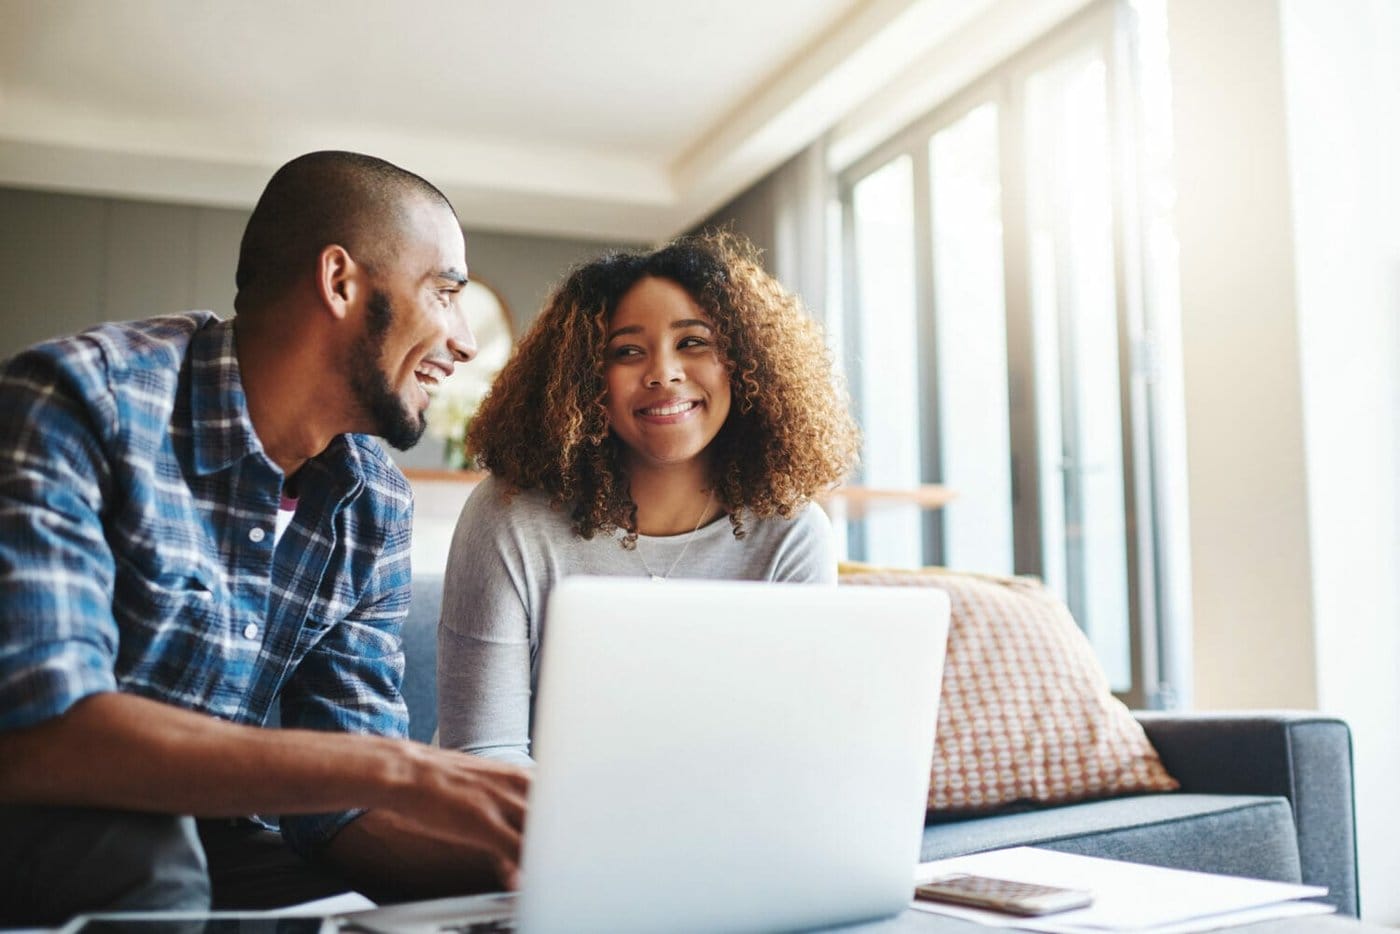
pixel 443 823
pixel 470 802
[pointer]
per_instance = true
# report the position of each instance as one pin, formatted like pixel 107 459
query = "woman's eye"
pixel 618 353
pixel 690 342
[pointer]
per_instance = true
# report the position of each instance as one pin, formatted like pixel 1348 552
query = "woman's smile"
pixel 670 412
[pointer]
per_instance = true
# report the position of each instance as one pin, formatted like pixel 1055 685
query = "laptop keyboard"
pixel 494 926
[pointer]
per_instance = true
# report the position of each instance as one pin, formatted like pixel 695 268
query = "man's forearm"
pixel 122 751
pixel 428 807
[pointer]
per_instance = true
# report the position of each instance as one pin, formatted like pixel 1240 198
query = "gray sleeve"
pixel 484 636
pixel 807 553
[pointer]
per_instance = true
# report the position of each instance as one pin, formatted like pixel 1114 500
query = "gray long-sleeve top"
pixel 504 561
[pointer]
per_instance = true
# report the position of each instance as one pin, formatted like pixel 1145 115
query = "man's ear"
pixel 338 279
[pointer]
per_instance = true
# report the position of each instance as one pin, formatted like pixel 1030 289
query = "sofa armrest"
pixel 1303 757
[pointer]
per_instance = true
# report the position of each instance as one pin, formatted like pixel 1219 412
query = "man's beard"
pixel 391 418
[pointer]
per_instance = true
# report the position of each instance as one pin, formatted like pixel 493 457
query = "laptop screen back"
pixel 725 756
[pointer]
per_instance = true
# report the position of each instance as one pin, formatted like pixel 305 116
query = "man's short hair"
pixel 359 202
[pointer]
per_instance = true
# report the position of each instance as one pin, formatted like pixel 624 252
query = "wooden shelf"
pixel 853 502
pixel 443 475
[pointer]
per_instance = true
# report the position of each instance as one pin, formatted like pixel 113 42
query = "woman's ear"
pixel 337 279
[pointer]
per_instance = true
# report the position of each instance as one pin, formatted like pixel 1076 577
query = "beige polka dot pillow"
pixel 1026 714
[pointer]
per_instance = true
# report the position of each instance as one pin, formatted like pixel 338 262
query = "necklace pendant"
pixel 658 577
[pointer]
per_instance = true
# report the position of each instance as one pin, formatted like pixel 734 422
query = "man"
pixel 195 529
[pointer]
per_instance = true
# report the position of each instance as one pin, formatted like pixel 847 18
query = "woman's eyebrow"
pixel 678 325
pixel 630 329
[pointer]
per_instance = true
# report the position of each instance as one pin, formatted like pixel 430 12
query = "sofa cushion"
pixel 420 656
pixel 1238 835
pixel 1026 711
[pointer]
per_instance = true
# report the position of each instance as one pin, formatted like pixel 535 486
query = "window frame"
pixel 1104 28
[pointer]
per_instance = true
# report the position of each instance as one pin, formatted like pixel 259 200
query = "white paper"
pixel 330 905
pixel 1049 924
pixel 1127 896
pixel 428 917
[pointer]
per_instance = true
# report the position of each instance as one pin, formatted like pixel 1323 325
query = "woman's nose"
pixel 666 370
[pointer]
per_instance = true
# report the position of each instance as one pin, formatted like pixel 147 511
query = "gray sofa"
pixel 1267 795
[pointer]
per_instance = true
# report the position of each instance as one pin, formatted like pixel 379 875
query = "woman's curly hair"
pixel 789 434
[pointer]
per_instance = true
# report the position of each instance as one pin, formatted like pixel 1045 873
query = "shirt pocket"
pixel 161 581
pixel 173 615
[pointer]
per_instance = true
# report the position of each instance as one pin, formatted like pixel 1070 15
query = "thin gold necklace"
pixel 688 539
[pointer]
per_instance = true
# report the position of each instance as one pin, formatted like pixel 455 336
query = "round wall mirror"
pixel 459 396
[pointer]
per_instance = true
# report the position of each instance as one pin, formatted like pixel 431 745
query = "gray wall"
pixel 71 261
pixel 784 214
pixel 68 261
pixel 523 269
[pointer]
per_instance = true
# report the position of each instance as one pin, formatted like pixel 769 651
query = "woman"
pixel 656 395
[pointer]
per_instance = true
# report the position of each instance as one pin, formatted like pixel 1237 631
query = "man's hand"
pixel 455 825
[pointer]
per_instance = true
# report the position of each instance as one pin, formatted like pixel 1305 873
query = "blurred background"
pixel 1121 276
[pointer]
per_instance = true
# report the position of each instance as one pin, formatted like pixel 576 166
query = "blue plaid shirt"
pixel 137 511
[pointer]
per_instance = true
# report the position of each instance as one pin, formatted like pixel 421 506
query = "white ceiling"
pixel 615 119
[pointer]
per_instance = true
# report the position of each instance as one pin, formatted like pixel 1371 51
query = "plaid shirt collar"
pixel 221 428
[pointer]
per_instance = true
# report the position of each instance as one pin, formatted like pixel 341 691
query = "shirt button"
pixel 250 631
pixel 256 535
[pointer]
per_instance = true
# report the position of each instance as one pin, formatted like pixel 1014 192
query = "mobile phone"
pixel 1017 898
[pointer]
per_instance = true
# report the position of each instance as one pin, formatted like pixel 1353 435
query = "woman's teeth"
pixel 675 409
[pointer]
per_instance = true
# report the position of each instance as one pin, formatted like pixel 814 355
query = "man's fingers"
pixel 495 815
pixel 508 871
pixel 512 775
pixel 512 805
pixel 507 786
pixel 499 839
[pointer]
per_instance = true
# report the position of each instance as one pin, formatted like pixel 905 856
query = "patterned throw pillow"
pixel 1026 714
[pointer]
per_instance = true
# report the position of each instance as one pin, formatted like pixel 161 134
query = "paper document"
pixel 432 916
pixel 1127 896
pixel 330 905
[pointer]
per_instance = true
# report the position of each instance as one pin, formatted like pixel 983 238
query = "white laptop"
pixel 721 756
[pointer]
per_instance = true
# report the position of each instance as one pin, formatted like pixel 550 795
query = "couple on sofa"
pixel 195 531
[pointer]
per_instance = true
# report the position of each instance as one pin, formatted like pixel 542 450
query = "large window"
pixel 969 353
pixel 885 328
pixel 1000 336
